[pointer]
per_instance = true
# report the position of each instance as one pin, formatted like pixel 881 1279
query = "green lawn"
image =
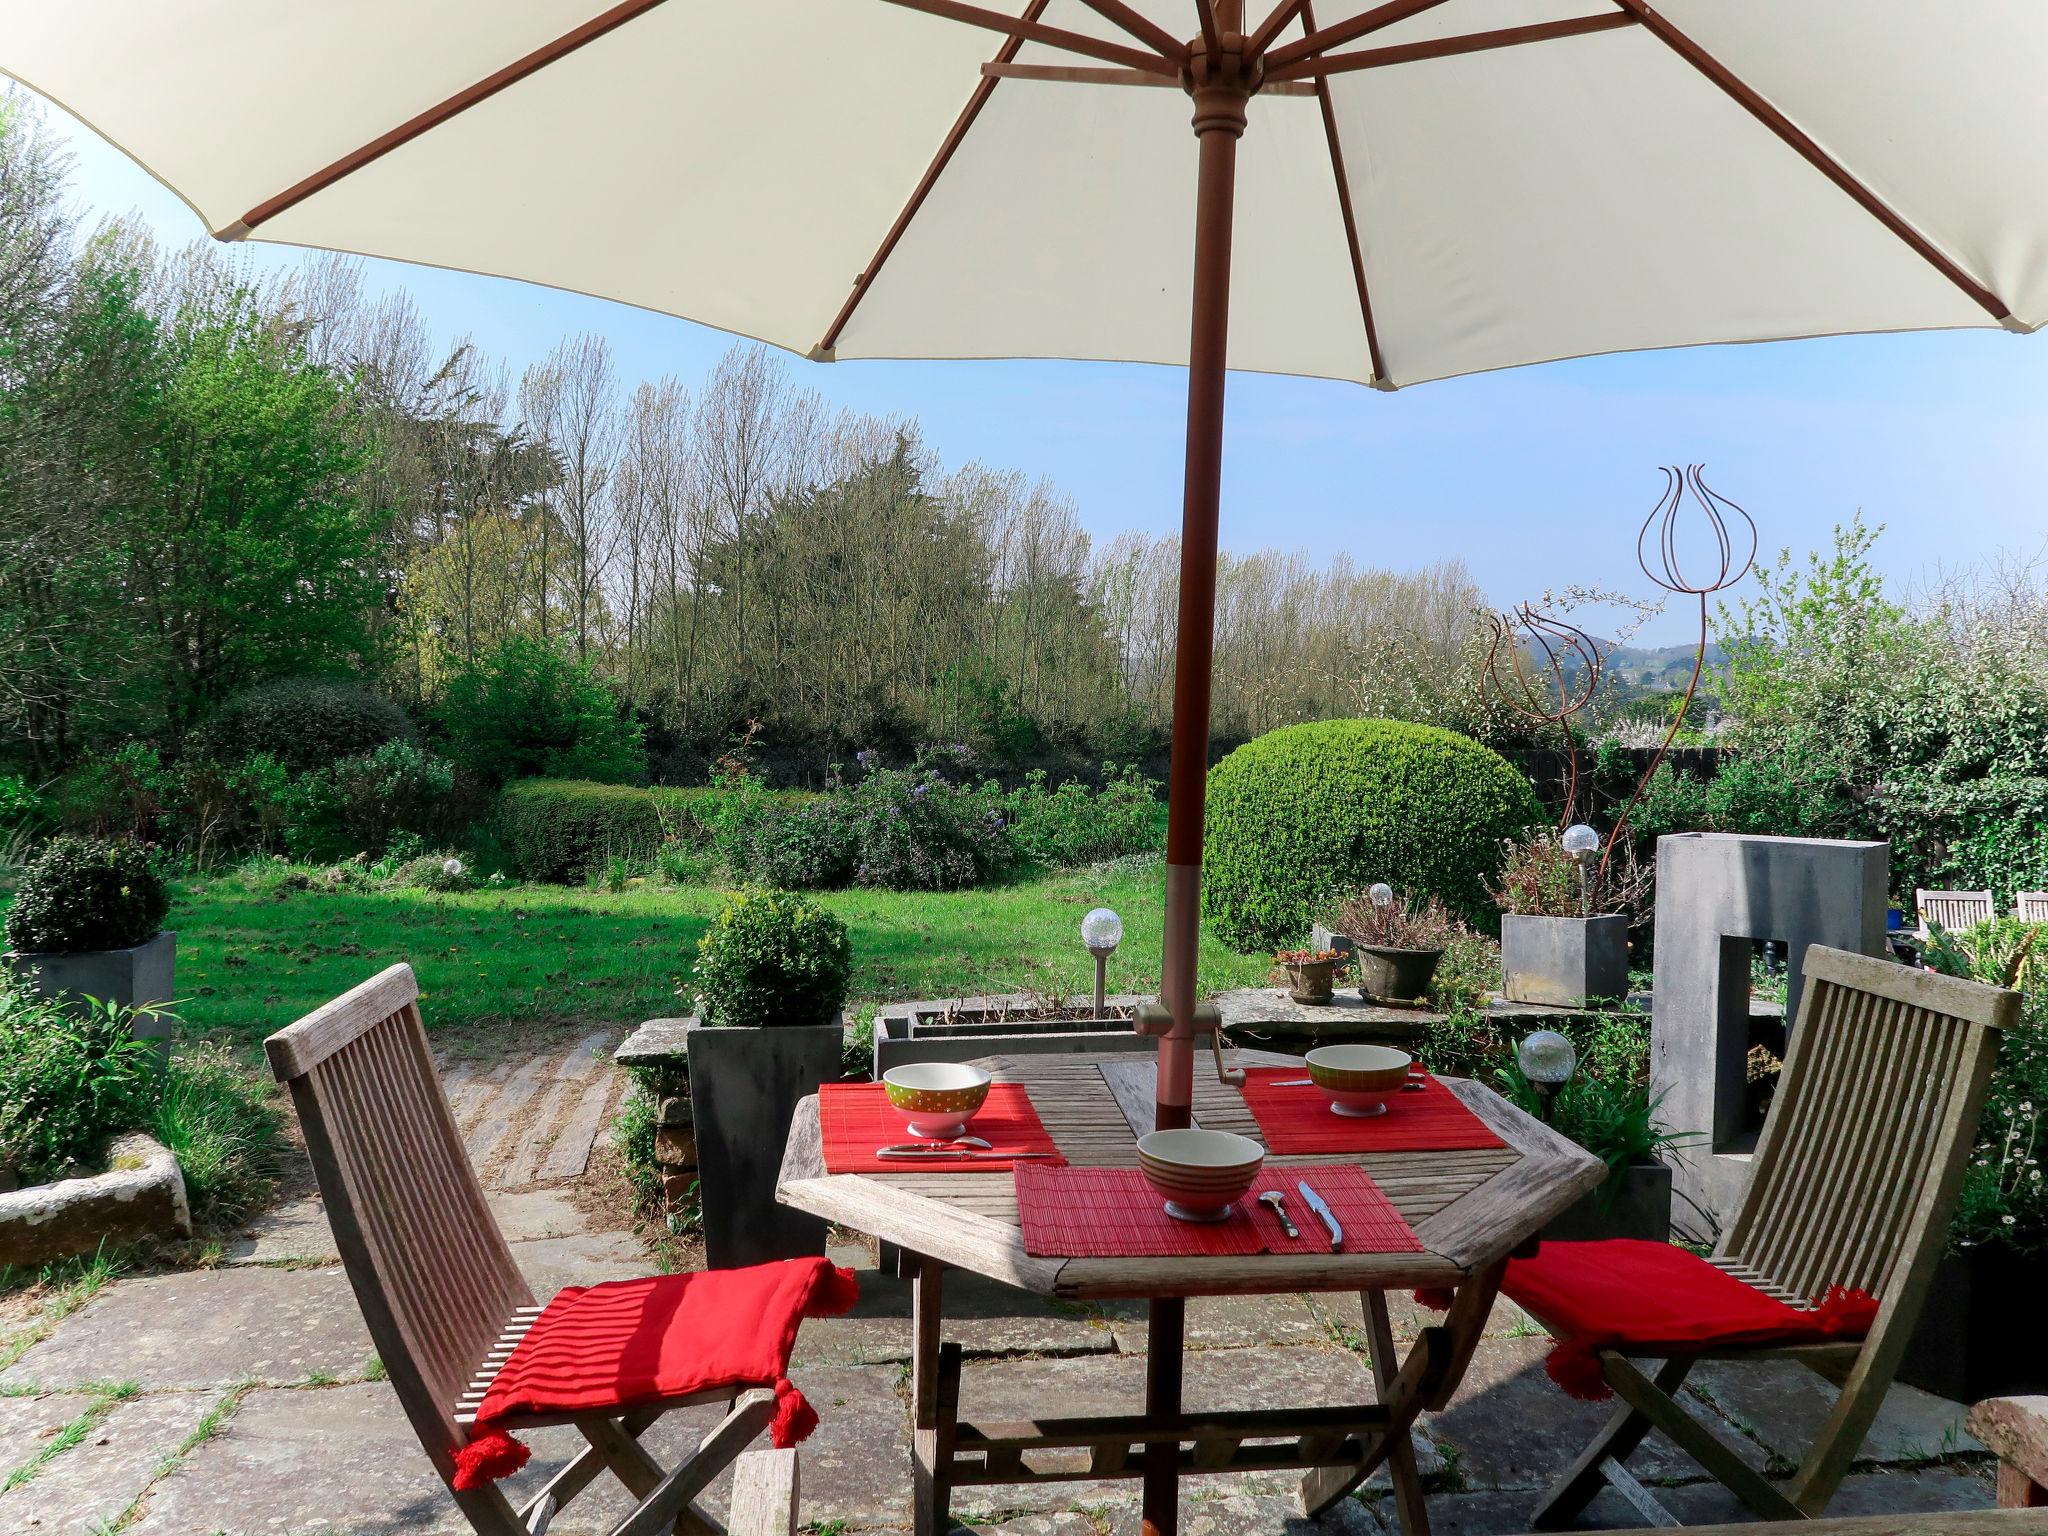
pixel 255 954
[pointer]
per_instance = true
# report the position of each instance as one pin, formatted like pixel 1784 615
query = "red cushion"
pixel 1648 1298
pixel 605 1348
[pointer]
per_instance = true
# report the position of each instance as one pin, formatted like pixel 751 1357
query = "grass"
pixel 221 1121
pixel 255 952
pixel 104 1399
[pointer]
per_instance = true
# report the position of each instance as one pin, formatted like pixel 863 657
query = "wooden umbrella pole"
pixel 1219 86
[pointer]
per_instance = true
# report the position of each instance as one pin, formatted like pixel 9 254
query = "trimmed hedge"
pixel 1309 811
pixel 562 829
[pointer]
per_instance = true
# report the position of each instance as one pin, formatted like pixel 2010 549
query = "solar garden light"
pixel 1547 1060
pixel 1382 894
pixel 1101 930
pixel 1580 843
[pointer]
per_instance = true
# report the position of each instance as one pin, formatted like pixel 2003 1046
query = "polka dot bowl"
pixel 937 1098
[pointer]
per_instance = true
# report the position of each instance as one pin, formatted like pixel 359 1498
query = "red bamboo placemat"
pixel 856 1118
pixel 1112 1213
pixel 1294 1121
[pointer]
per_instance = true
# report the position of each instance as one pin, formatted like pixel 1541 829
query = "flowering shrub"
pixel 913 829
pixel 2004 1197
pixel 1403 923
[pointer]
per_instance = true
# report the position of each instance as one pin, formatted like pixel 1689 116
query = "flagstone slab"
pixel 1784 1406
pixel 1408 1318
pixel 582 1258
pixel 1510 1427
pixel 206 1329
pixel 526 1215
pixel 1066 1522
pixel 1254 1515
pixel 330 1459
pixel 1225 1322
pixel 92 1483
pixel 983 1316
pixel 296 1231
pixel 27 1422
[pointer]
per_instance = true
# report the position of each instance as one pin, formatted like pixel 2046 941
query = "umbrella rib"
pixel 1344 207
pixel 1089 74
pixel 438 114
pixel 1142 27
pixel 1377 19
pixel 984 88
pixel 1744 96
pixel 1448 47
pixel 1028 28
pixel 1271 27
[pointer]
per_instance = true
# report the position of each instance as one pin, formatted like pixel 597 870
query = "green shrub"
pixel 359 805
pixel 20 805
pixel 442 871
pixel 303 722
pixel 122 793
pixel 770 957
pixel 85 893
pixel 811 847
pixel 222 1123
pixel 913 829
pixel 71 1075
pixel 1310 810
pixel 633 1135
pixel 527 710
pixel 1073 824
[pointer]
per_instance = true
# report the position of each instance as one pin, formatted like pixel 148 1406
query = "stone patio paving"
pixel 248 1399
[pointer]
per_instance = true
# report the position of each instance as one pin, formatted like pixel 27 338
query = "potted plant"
pixel 87 922
pixel 770 979
pixel 1617 1122
pixel 1311 973
pixel 1560 944
pixel 1396 942
pixel 1965 1345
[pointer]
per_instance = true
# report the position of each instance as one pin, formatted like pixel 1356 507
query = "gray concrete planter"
pixel 1394 975
pixel 1634 1203
pixel 744 1089
pixel 1975 1338
pixel 968 1028
pixel 142 1195
pixel 134 978
pixel 1563 961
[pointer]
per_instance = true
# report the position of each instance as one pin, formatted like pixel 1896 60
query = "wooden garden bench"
pixel 444 1301
pixel 1957 911
pixel 1854 1181
pixel 2031 906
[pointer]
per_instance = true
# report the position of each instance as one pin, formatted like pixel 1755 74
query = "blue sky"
pixel 1538 477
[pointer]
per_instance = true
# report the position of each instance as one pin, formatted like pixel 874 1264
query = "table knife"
pixel 947 1154
pixel 1322 1209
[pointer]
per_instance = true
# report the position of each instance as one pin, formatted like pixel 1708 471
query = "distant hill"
pixel 1662 666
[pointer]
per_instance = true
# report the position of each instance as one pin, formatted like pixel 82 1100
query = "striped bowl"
pixel 937 1098
pixel 1358 1078
pixel 1200 1174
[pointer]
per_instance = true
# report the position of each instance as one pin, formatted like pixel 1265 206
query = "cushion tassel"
pixel 1575 1367
pixel 794 1417
pixel 1437 1298
pixel 490 1456
pixel 834 1294
pixel 1843 1311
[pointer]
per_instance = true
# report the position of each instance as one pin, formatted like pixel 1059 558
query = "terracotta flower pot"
pixel 1311 981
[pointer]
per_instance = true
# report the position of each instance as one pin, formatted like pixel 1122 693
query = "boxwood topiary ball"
pixel 773 957
pixel 86 893
pixel 1309 811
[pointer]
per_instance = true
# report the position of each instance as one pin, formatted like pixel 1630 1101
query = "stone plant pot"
pixel 1563 962
pixel 141 1195
pixel 1633 1203
pixel 1976 1337
pixel 134 977
pixel 744 1088
pixel 1394 975
pixel 1312 981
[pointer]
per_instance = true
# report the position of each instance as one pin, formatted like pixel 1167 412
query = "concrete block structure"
pixel 1716 893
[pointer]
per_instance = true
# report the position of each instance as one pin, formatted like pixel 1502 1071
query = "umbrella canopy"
pixel 1426 188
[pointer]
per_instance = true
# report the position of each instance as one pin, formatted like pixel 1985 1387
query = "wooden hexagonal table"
pixel 1469 1210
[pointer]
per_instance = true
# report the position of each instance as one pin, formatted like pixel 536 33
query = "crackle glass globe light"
pixel 1580 840
pixel 1102 930
pixel 1382 894
pixel 1547 1059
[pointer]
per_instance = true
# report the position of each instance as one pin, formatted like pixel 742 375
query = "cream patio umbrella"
pixel 1389 195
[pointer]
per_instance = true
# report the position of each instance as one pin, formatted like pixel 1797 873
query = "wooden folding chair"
pixel 1957 911
pixel 1853 1185
pixel 445 1303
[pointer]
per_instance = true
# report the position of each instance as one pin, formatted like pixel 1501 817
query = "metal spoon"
pixel 1278 1202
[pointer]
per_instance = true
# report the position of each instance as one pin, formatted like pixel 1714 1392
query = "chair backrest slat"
pixel 1954 910
pixel 2031 906
pixel 430 1268
pixel 1863 1151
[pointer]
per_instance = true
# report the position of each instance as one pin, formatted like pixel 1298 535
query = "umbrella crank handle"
pixel 1155 1018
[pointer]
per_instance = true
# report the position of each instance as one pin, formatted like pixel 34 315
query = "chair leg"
pixel 1576 1487
pixel 670 1499
pixel 1841 1437
pixel 1697 1441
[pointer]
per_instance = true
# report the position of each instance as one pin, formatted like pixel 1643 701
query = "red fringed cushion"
pixel 605 1348
pixel 1654 1299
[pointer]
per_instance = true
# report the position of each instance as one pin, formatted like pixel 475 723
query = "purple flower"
pixel 917 791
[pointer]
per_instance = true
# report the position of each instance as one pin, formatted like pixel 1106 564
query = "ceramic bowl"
pixel 1359 1078
pixel 1200 1174
pixel 937 1098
